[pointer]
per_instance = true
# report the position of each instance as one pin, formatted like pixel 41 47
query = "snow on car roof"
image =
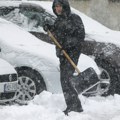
pixel 9 3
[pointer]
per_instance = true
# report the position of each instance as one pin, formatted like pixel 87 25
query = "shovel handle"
pixel 63 51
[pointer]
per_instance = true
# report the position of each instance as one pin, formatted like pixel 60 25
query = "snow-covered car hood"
pixel 6 68
pixel 24 41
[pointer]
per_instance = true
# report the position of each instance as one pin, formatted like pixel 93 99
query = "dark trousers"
pixel 66 71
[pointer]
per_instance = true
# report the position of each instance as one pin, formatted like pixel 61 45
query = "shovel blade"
pixel 84 80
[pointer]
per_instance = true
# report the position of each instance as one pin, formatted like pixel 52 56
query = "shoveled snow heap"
pixel 48 106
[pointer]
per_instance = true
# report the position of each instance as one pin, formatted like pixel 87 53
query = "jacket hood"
pixel 65 6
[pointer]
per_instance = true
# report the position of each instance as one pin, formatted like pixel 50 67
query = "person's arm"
pixel 75 32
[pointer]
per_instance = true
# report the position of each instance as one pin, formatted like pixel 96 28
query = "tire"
pixel 109 73
pixel 30 83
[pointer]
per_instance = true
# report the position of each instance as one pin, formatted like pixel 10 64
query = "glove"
pixel 46 27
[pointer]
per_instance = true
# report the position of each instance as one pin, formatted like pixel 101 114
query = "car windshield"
pixel 29 20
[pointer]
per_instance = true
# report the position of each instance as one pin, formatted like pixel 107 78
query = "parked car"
pixel 8 82
pixel 34 60
pixel 101 43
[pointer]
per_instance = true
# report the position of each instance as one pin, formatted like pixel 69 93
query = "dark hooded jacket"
pixel 69 31
pixel 68 27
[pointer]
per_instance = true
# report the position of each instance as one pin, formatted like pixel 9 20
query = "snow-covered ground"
pixel 48 106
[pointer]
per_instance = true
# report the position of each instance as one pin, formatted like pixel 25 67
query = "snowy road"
pixel 49 106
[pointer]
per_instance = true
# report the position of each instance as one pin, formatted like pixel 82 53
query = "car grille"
pixel 8 78
pixel 6 96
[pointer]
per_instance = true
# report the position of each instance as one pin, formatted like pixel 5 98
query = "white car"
pixel 35 61
pixel 8 82
pixel 101 43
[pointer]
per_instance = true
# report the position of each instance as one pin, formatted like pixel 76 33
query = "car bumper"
pixel 8 91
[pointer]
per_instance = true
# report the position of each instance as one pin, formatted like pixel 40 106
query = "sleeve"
pixel 75 32
pixel 76 27
pixel 80 30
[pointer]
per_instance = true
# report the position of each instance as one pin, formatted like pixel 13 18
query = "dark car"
pixel 101 43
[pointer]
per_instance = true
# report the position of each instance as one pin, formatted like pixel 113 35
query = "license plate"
pixel 9 87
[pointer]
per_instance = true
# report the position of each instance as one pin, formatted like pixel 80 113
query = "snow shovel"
pixel 84 81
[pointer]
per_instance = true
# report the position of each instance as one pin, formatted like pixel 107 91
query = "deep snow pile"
pixel 48 106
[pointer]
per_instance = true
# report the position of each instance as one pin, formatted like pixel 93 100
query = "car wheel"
pixel 108 74
pixel 30 83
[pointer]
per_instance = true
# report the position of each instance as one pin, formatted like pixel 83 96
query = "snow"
pixel 18 39
pixel 6 68
pixel 48 106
